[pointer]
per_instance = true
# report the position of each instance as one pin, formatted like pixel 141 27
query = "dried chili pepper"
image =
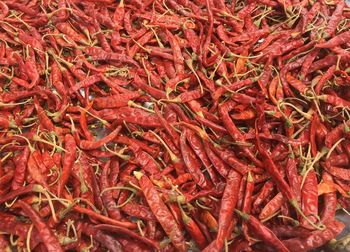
pixel 161 212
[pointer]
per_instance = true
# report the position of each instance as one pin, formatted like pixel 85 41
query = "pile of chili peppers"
pixel 174 125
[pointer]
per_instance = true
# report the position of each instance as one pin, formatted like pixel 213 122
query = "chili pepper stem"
pixel 117 188
pixel 38 139
pixel 295 204
pixel 124 157
pixel 241 214
pixel 138 175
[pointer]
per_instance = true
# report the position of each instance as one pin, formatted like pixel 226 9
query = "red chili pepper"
pixel 143 40
pixel 330 202
pixel 91 145
pixel 174 135
pixel 316 239
pixel 335 134
pixel 340 39
pixel 293 177
pixel 273 171
pixel 233 130
pixel 218 164
pixel 309 198
pixel 20 170
pixel 68 161
pixel 4 10
pixel 247 202
pixel 193 229
pixel 47 236
pixel 156 93
pixel 43 118
pixel 12 226
pixel 334 19
pixel 297 84
pixel 103 218
pixel 308 62
pixel 272 206
pixel 107 196
pixel 192 163
pixel 299 50
pixel 338 172
pixel 334 100
pixel 198 148
pixel 138 211
pixel 129 233
pixel 178 59
pixel 108 241
pixel 262 232
pixel 161 212
pixel 230 159
pixel 310 15
pixel 145 160
pixel 228 203
pixel 34 170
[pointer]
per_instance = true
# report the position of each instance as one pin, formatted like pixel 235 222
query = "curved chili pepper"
pixel 4 10
pixel 330 201
pixel 129 233
pixel 316 239
pixel 334 20
pixel 309 198
pixel 264 193
pixel 68 161
pixel 218 164
pixel 161 212
pixel 262 232
pixel 47 236
pixel 272 206
pixel 178 59
pixel 91 145
pixel 247 201
pixel 108 241
pixel 293 177
pixel 228 203
pixel 20 170
pixel 138 211
pixel 107 196
pixel 145 160
pixel 103 218
pixel 198 148
pixel 192 163
pixel 340 39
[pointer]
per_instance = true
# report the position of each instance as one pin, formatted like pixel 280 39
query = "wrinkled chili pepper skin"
pixel 127 232
pixel 48 237
pixel 162 213
pixel 272 206
pixel 192 163
pixel 334 19
pixel 107 197
pixel 107 240
pixel 330 202
pixel 68 161
pixel 309 198
pixel 91 145
pixel 263 233
pixel 316 239
pixel 20 170
pixel 229 201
